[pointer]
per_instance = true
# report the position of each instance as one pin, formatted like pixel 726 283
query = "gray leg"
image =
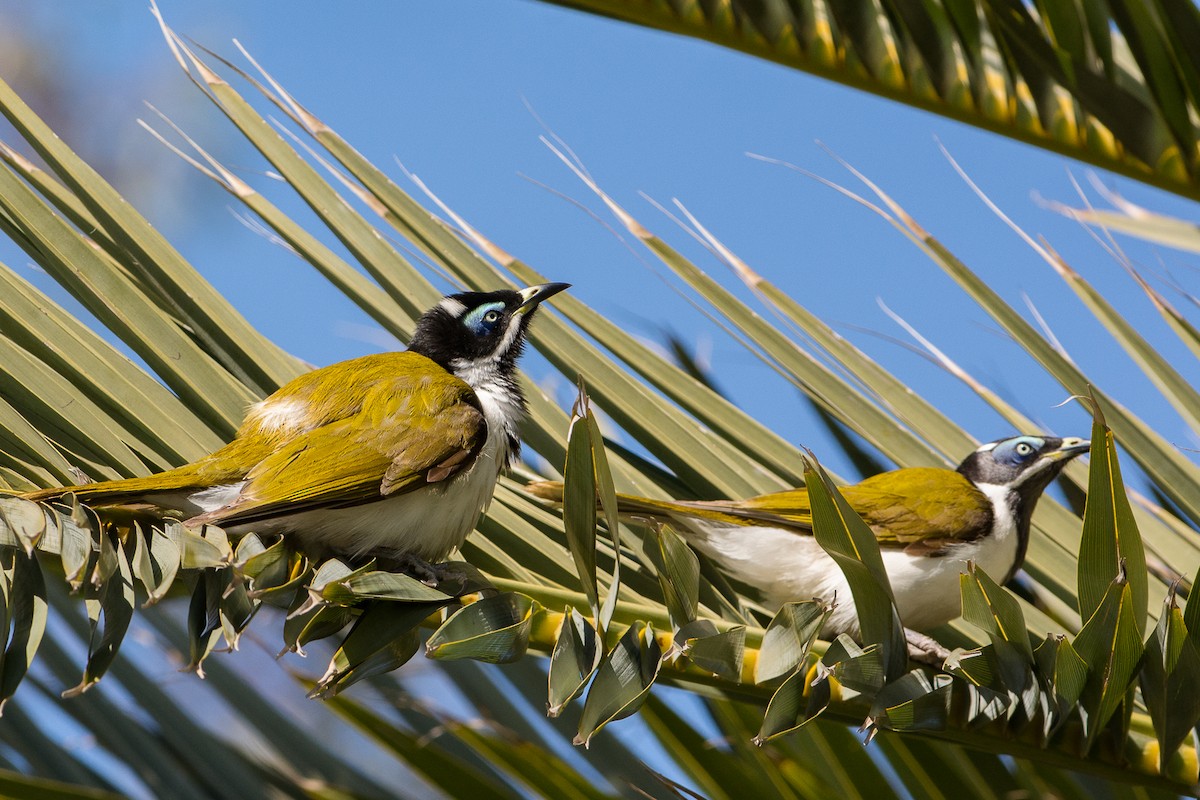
pixel 455 578
pixel 419 568
pixel 925 649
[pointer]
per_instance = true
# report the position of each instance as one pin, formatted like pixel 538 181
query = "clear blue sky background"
pixel 440 86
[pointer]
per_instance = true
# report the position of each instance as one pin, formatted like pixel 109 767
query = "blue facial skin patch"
pixel 1019 450
pixel 477 321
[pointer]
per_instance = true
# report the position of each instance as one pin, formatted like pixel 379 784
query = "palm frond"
pixel 1114 84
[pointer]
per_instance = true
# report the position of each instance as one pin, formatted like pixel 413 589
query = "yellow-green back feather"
pixel 902 507
pixel 318 409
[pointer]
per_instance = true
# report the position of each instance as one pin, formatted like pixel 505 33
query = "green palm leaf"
pixel 1114 84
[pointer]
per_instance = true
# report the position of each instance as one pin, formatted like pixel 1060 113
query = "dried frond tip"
pixel 494 251
pixel 311 123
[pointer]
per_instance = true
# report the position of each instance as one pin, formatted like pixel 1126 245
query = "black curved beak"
pixel 532 296
pixel 1070 447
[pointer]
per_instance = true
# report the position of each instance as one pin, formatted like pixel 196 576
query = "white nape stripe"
pixel 453 307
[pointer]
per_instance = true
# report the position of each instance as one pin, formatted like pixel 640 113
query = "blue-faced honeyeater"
pixel 392 455
pixel 928 521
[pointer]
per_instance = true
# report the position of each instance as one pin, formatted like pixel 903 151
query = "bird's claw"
pixel 924 649
pixel 455 578
pixel 419 568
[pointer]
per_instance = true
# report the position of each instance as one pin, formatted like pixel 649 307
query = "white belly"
pixel 785 566
pixel 428 523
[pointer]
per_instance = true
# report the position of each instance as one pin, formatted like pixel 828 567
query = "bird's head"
pixel 1022 464
pixel 478 334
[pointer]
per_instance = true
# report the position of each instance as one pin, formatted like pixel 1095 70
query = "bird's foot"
pixel 455 578
pixel 924 649
pixel 414 566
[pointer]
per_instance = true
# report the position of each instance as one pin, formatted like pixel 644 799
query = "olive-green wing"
pixel 917 508
pixel 409 433
pixel 921 507
pixel 308 403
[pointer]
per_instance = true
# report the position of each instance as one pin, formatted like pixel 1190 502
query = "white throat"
pixel 1000 553
pixel 499 398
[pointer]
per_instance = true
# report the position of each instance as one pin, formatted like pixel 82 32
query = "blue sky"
pixel 443 86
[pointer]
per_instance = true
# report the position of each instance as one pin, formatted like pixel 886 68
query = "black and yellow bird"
pixel 928 521
pixel 392 455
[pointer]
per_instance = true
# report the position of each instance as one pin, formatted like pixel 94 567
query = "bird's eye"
pixel 491 316
pixel 1024 448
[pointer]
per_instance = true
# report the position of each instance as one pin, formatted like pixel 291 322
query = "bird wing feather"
pixel 922 508
pixel 921 505
pixel 310 402
pixel 410 431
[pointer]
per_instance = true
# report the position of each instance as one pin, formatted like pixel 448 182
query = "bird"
pixel 929 522
pixel 391 455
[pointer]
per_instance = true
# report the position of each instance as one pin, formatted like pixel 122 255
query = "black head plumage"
pixel 474 327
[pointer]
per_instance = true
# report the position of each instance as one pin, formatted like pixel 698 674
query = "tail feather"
pixel 629 505
pixel 180 481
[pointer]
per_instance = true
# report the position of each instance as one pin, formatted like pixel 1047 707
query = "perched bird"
pixel 392 455
pixel 928 521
